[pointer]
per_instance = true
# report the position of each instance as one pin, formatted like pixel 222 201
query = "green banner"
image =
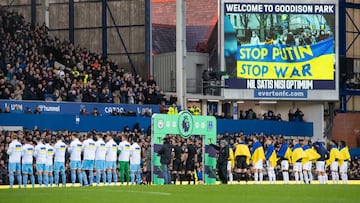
pixel 184 124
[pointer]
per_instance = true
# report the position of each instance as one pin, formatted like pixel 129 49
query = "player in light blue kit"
pixel 59 161
pixel 100 159
pixel 75 158
pixel 135 160
pixel 49 167
pixel 14 152
pixel 88 161
pixel 27 154
pixel 110 159
pixel 40 155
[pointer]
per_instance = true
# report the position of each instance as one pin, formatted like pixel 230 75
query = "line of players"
pixel 299 154
pixel 97 155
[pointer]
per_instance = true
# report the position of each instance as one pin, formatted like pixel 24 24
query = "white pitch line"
pixel 142 192
pixel 136 191
pixel 151 193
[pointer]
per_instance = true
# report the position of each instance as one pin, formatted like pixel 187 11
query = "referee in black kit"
pixel 222 160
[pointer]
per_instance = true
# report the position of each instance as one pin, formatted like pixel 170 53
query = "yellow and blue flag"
pixel 243 150
pixel 285 151
pixel 297 153
pixel 271 155
pixel 333 156
pixel 344 155
pixel 257 152
pixel 310 154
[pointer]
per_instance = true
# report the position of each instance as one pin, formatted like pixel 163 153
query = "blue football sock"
pixel 104 177
pixel 80 177
pixel 32 180
pixel 115 178
pixel 40 178
pixel 73 177
pixel 132 176
pixel 19 179
pixel 51 180
pixel 56 178
pixel 25 180
pixel 46 180
pixel 84 178
pixel 109 177
pixel 63 177
pixel 98 176
pixel 11 179
pixel 91 179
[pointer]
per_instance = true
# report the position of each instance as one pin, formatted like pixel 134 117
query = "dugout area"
pixel 185 125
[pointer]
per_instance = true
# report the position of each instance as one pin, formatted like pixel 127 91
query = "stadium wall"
pixel 347 128
pixel 112 123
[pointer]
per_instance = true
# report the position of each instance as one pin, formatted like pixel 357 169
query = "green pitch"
pixel 187 193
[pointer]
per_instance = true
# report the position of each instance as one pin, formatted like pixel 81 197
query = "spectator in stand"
pixel 299 115
pixel 95 112
pixel 242 114
pixel 7 109
pixel 196 111
pixel 37 110
pixel 163 109
pixel 354 172
pixel 131 113
pixel 291 115
pixel 172 110
pixel 115 112
pixel 146 112
pixel 83 112
pixel 250 114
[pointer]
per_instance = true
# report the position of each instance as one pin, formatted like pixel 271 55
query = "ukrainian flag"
pixel 344 155
pixel 231 157
pixel 243 150
pixel 297 153
pixel 271 155
pixel 334 155
pixel 285 151
pixel 257 152
pixel 310 154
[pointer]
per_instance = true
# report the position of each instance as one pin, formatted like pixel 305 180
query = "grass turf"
pixel 188 193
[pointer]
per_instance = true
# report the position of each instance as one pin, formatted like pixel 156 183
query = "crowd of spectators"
pixel 354 172
pixel 144 136
pixel 250 114
pixel 37 66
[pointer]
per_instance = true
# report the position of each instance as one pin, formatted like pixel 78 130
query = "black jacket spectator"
pixel 165 153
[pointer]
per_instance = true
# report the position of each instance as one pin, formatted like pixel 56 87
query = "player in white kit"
pixel 110 159
pixel 100 154
pixel 89 158
pixel 27 161
pixel 135 160
pixel 75 150
pixel 14 167
pixel 40 155
pixel 59 161
pixel 49 167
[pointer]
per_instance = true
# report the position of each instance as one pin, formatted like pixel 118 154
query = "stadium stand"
pixel 37 66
